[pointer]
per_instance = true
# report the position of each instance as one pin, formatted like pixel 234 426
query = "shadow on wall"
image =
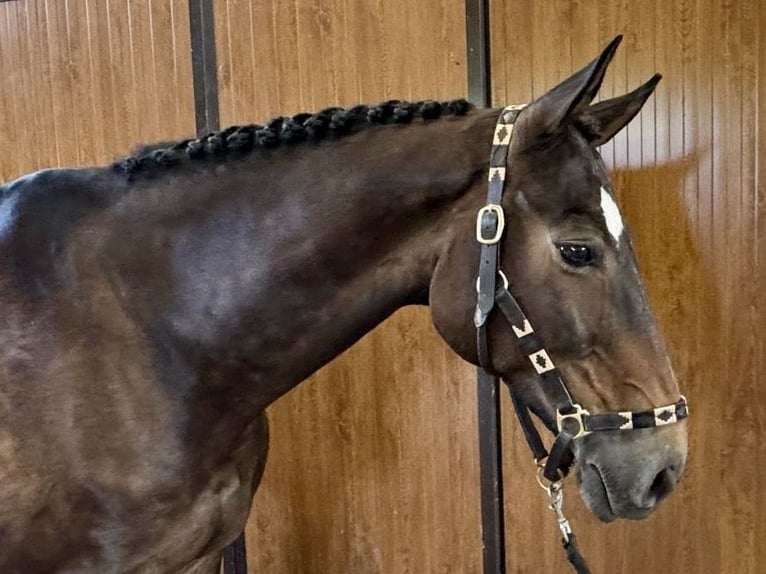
pixel 660 204
pixel 668 250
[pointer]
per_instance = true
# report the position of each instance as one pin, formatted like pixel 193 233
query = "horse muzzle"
pixel 627 475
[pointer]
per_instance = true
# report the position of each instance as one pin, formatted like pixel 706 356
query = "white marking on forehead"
pixel 612 215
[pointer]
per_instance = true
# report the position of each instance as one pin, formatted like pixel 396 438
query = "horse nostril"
pixel 663 483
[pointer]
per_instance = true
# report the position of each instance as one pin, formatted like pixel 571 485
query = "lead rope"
pixel 553 489
pixel 555 492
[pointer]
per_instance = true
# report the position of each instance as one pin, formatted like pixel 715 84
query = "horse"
pixel 154 308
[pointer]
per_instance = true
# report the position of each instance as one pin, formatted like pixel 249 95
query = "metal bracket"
pixel 500 274
pixel 576 416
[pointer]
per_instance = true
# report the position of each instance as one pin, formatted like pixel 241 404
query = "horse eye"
pixel 577 255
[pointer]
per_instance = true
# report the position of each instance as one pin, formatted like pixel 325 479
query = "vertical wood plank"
pixel 85 80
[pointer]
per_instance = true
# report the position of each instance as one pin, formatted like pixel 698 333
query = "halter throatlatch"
pixel 572 420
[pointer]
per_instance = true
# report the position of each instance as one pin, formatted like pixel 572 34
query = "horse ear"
pixel 601 121
pixel 552 110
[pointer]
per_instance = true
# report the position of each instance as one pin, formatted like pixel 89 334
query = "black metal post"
pixel 491 474
pixel 205 80
pixel 204 72
pixel 490 435
pixel 478 52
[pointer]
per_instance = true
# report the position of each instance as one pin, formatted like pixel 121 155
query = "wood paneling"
pixel 687 172
pixel 373 467
pixel 283 57
pixel 85 80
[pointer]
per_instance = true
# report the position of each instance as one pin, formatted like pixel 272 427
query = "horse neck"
pixel 280 263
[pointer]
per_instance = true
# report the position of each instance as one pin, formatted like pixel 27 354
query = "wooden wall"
pixel 373 466
pixel 82 81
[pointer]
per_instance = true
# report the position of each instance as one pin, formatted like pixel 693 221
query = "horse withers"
pixel 151 311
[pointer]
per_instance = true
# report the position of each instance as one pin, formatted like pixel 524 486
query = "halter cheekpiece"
pixel 572 420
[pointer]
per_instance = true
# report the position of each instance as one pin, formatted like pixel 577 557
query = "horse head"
pixel 567 255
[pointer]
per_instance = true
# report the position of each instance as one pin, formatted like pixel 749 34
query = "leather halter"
pixel 572 420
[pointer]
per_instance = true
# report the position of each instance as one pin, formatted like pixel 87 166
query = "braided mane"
pixel 330 122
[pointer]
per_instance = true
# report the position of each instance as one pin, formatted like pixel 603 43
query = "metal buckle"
pixel 551 487
pixel 555 504
pixel 488 209
pixel 555 499
pixel 502 276
pixel 577 416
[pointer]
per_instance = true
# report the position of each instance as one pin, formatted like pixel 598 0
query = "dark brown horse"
pixel 150 311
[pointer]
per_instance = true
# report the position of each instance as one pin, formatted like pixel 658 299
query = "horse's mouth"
pixel 594 492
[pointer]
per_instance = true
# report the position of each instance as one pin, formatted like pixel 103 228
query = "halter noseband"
pixel 572 420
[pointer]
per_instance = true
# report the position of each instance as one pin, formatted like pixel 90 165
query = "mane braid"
pixel 330 122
